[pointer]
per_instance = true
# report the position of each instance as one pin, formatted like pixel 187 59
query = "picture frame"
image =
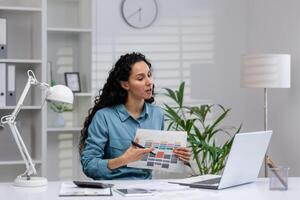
pixel 72 80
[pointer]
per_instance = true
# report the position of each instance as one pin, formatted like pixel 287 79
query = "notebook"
pixel 242 166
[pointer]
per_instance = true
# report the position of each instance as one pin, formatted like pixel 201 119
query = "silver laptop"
pixel 243 163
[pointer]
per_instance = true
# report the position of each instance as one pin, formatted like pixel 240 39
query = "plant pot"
pixel 59 121
pixel 68 117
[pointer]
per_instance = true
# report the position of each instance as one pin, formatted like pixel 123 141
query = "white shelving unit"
pixel 21 4
pixel 40 32
pixel 25 51
pixel 18 162
pixel 23 108
pixel 15 8
pixel 69 48
pixel 64 130
pixel 29 61
pixel 71 30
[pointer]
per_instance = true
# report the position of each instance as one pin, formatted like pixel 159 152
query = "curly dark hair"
pixel 112 93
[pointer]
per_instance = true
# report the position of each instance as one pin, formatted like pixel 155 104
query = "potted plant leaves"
pixel 202 130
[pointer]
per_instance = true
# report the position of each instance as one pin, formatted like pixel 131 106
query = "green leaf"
pixel 60 107
pixel 172 113
pixel 218 120
pixel 209 156
pixel 180 94
pixel 171 94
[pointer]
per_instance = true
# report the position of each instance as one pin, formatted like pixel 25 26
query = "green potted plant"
pixel 59 109
pixel 209 156
pixel 63 112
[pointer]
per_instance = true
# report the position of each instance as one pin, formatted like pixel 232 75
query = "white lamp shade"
pixel 266 71
pixel 60 93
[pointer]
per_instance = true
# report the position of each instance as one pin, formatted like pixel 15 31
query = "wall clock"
pixel 139 13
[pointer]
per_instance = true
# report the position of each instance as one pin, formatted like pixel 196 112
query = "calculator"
pixel 92 184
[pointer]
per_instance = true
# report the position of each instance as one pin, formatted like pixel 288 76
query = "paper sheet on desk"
pixel 70 189
pixel 158 186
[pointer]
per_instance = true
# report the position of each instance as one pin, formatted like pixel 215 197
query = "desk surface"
pixel 258 190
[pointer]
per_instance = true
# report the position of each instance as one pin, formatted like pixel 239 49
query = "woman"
pixel 123 106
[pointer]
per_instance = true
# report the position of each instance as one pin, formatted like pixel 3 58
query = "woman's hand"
pixel 134 154
pixel 183 153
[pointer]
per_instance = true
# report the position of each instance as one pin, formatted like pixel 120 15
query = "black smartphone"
pixel 92 184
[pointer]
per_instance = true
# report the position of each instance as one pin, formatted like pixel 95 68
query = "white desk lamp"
pixel 266 71
pixel 59 93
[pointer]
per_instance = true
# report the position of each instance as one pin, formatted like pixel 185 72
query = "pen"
pixel 279 176
pixel 140 146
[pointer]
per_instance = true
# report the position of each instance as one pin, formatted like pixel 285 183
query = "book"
pixel 70 189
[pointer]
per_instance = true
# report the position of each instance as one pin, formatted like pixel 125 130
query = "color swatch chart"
pixel 163 143
pixel 164 156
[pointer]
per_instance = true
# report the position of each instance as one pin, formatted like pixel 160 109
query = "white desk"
pixel 254 191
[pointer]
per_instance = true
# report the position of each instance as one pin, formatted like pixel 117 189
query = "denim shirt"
pixel 110 134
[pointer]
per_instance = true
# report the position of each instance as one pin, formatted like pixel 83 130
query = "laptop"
pixel 243 163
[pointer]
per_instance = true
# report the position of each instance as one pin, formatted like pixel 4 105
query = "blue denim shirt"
pixel 110 134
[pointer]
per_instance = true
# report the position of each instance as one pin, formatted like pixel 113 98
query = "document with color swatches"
pixel 163 143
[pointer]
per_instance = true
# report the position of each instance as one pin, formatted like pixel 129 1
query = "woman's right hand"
pixel 134 154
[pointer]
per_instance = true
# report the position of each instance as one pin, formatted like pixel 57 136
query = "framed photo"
pixel 73 81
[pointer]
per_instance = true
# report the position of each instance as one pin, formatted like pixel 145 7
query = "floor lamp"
pixel 265 71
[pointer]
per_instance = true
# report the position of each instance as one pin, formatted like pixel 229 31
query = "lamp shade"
pixel 265 71
pixel 60 93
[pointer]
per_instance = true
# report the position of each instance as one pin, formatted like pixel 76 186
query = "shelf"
pixel 18 162
pixel 70 51
pixel 71 129
pixel 29 61
pixel 23 108
pixel 23 33
pixel 83 94
pixel 69 30
pixel 69 16
pixel 20 8
pixel 67 0
pixel 38 31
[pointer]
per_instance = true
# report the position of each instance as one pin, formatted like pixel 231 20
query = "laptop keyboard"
pixel 209 181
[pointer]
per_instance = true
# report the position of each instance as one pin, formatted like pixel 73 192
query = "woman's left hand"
pixel 183 153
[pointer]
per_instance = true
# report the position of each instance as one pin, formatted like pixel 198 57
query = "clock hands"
pixel 140 16
pixel 134 13
pixel 139 13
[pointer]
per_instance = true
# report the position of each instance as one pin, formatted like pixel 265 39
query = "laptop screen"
pixel 245 158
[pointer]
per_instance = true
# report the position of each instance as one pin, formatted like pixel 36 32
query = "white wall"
pixel 183 35
pixel 220 82
pixel 273 27
pixel 236 27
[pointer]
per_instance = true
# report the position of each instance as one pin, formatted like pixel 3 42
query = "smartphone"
pixel 92 184
pixel 133 192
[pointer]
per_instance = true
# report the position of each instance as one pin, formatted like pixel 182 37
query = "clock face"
pixel 139 13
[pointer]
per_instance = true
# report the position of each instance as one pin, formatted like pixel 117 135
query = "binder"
pixel 11 85
pixel 2 84
pixel 3 38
